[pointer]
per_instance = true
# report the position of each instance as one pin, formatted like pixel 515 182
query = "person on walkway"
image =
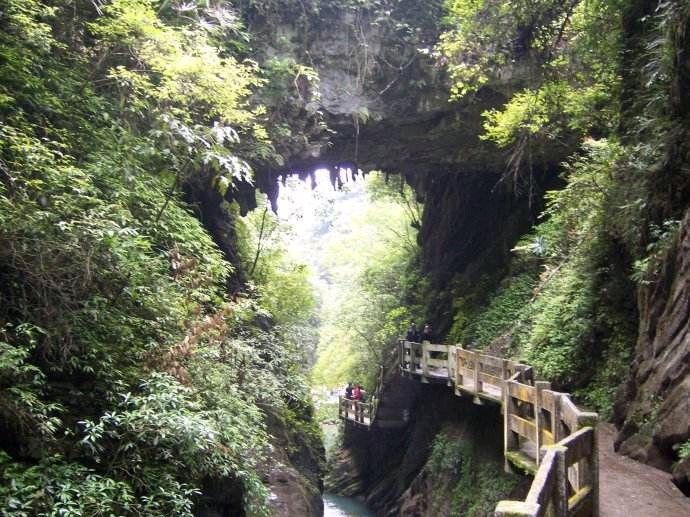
pixel 348 391
pixel 357 396
pixel 427 333
pixel 357 393
pixel 412 333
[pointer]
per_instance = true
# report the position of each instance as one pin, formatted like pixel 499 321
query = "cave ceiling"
pixel 385 106
pixel 385 103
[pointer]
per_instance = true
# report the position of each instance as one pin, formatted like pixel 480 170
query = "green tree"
pixel 128 375
pixel 371 254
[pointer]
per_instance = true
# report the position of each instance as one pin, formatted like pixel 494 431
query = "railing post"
pixel 560 501
pixel 505 375
pixel 556 426
pixel 477 382
pixel 450 364
pixel 425 365
pixel 594 470
pixel 538 405
pixel 510 440
pixel 414 349
pixel 588 468
pixel 459 379
pixel 407 356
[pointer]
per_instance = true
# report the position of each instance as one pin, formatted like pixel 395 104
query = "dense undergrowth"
pixel 463 484
pixel 130 378
pixel 567 303
pixel 568 307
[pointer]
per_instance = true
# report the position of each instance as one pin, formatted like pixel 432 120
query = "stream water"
pixel 338 506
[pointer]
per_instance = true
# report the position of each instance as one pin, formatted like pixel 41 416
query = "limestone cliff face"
pixel 387 106
pixel 654 409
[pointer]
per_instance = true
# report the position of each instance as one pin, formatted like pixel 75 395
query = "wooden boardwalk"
pixel 359 413
pixel 362 413
pixel 545 433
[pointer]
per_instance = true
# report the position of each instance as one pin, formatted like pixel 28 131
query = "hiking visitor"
pixel 348 391
pixel 357 392
pixel 427 333
pixel 412 333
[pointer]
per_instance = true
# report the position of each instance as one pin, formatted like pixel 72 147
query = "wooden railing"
pixel 362 413
pixel 544 432
pixel 356 411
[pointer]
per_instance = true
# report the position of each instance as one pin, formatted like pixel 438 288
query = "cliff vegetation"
pixel 136 379
pixel 156 332
pixel 581 295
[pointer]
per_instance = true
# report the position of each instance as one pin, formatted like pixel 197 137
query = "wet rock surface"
pixel 654 407
pixel 294 471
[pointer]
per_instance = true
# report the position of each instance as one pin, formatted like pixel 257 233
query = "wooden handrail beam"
pixel 516 509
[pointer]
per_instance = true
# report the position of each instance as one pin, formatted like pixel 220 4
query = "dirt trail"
pixel 631 489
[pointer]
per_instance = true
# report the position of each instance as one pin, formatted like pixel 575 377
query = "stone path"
pixel 631 489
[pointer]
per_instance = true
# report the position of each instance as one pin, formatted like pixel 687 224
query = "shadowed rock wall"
pixel 653 407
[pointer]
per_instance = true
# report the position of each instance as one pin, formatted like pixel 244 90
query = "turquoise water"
pixel 338 506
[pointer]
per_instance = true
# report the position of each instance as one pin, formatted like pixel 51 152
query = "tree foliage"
pixel 562 56
pixel 371 260
pixel 129 377
pixel 601 73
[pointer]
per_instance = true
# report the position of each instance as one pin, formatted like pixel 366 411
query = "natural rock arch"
pixel 397 117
